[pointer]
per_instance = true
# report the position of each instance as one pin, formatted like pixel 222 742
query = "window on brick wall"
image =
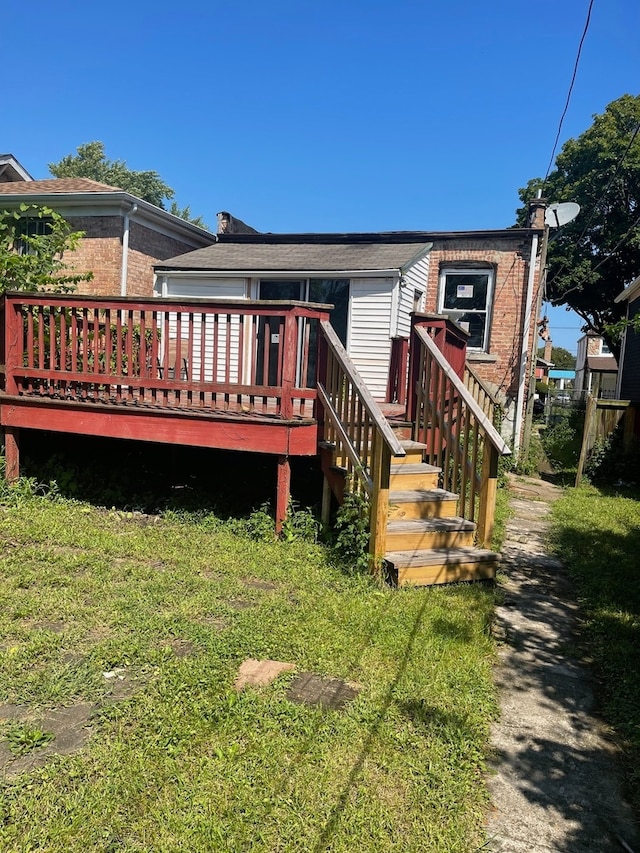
pixel 37 226
pixel 465 296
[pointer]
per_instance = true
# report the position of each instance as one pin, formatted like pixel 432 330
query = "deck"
pixel 231 375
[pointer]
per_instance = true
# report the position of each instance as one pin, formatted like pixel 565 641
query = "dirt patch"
pixel 218 623
pixel 311 689
pixel 240 604
pixel 260 673
pixel 256 583
pixel 56 627
pixel 182 648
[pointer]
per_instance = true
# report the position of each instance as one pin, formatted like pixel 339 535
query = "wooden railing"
pixel 481 394
pixel 235 356
pixel 361 440
pixel 459 436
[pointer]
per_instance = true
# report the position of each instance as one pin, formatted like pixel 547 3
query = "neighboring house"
pixel 124 235
pixel 11 170
pixel 478 278
pixel 596 367
pixel 629 374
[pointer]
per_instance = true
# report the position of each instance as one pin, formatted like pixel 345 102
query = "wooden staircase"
pixel 427 543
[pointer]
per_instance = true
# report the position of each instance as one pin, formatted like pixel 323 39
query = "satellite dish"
pixel 560 213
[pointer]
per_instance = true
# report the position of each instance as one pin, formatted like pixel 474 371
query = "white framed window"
pixel 465 296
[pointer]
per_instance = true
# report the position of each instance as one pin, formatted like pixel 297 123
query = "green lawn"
pixel 597 534
pixel 169 608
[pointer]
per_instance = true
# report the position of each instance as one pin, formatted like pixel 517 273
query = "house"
pixel 628 387
pixel 596 367
pixel 376 281
pixel 124 235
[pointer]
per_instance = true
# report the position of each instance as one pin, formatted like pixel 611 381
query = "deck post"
pixel 11 453
pixel 488 489
pixel 283 491
pixel 381 474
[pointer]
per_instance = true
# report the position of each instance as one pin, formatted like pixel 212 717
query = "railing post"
pixel 12 344
pixel 381 471
pixel 289 364
pixel 488 489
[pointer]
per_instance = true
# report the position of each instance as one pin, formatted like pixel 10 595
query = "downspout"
pixel 125 249
pixel 524 349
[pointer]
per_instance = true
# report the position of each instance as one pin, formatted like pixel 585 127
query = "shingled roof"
pixel 55 186
pixel 303 255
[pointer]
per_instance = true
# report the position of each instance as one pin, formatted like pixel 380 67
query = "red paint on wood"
pixel 11 454
pixel 282 491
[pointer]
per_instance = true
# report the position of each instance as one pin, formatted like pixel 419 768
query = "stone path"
pixel 554 784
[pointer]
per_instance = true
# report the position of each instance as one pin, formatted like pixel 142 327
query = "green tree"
pixel 33 241
pixel 91 162
pixel 562 359
pixel 591 259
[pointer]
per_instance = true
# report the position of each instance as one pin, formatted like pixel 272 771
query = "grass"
pixel 597 534
pixel 173 605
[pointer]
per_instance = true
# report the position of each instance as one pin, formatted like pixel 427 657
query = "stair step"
pixel 414 452
pixel 421 503
pixel 411 475
pixel 422 533
pixel 441 565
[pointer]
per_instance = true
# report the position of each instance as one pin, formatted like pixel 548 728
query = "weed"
pixel 351 532
pixel 23 738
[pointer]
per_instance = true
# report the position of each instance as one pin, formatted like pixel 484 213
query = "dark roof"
pixel 602 364
pixel 55 186
pixel 377 251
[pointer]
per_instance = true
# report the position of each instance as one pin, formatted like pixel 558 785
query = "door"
pixel 268 353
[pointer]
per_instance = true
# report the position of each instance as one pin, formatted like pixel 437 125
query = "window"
pixel 31 226
pixel 465 297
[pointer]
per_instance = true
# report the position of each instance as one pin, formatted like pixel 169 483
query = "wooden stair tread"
pixel 414 468
pixel 440 557
pixel 408 444
pixel 415 495
pixel 455 524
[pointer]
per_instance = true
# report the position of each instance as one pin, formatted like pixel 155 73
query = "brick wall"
pixel 500 367
pixel 100 251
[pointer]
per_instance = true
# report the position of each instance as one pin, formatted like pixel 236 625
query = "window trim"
pixel 471 269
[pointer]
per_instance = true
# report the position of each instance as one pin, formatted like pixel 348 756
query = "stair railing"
pixel 459 436
pixel 487 401
pixel 352 425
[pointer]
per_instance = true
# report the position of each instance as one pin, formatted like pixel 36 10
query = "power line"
pixel 573 80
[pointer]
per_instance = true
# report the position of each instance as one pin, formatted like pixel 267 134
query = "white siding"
pixel 370 331
pixel 207 289
pixel 415 279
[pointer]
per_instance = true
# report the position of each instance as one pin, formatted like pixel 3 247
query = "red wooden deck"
pixel 232 375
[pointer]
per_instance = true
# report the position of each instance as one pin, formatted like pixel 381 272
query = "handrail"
pixel 487 401
pixel 373 409
pixel 362 441
pixel 492 433
pixel 459 437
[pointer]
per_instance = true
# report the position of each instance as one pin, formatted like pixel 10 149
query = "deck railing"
pixel 481 394
pixel 459 436
pixel 361 441
pixel 235 356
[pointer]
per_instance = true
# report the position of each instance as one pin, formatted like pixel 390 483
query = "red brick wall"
pixel 509 259
pixel 100 251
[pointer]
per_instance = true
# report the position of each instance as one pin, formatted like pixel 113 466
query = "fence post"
pixel 488 489
pixel 589 421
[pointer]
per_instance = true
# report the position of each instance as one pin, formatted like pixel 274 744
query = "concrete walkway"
pixel 554 785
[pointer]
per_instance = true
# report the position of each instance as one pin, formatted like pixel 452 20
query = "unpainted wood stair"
pixel 427 543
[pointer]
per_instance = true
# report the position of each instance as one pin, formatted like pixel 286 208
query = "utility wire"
pixel 573 80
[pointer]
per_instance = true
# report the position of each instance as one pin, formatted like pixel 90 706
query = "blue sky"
pixel 295 115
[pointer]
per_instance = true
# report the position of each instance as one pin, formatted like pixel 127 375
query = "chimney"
pixel 548 344
pixel 537 209
pixel 224 222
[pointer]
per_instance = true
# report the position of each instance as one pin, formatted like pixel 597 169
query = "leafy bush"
pixel 610 462
pixel 562 440
pixel 351 532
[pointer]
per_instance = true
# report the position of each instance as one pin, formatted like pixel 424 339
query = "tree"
pixel 33 241
pixel 591 259
pixel 91 162
pixel 561 358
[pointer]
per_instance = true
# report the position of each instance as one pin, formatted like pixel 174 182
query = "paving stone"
pixel 310 689
pixel 260 673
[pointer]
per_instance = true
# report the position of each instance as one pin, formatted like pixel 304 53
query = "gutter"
pixel 125 248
